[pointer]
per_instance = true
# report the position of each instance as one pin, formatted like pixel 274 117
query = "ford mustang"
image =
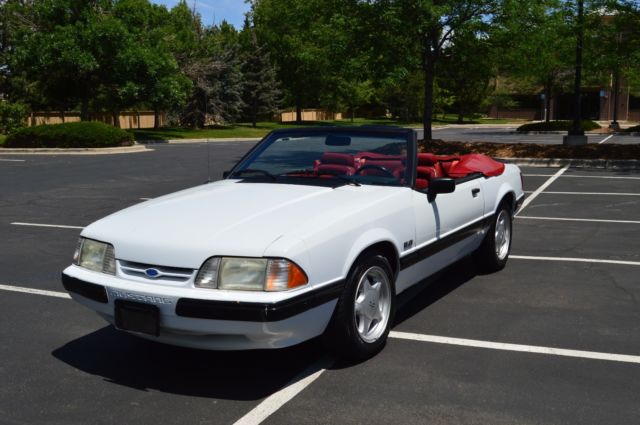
pixel 314 232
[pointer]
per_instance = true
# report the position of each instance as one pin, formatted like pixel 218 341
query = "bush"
pixel 12 116
pixel 557 126
pixel 634 129
pixel 69 135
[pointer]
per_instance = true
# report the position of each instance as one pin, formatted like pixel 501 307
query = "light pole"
pixel 575 135
pixel 616 85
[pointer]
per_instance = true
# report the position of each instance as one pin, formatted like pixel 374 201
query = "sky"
pixel 215 11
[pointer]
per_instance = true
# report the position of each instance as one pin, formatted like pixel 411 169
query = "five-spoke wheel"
pixel 363 316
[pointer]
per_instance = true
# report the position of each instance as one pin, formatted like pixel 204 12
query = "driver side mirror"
pixel 440 185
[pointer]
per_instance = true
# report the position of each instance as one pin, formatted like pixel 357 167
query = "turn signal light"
pixel 283 275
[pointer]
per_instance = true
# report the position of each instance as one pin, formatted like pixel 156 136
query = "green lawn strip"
pixel 2 139
pixel 262 128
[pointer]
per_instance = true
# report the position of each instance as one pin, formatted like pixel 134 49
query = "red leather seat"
pixel 334 163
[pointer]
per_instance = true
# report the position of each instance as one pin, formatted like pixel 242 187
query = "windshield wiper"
pixel 254 171
pixel 305 174
pixel 347 180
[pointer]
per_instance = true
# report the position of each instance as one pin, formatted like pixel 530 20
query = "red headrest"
pixel 337 158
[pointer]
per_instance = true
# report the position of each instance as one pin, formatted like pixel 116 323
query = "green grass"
pixel 2 139
pixel 453 119
pixel 242 130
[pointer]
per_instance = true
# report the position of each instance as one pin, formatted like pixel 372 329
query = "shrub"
pixel 12 116
pixel 634 129
pixel 69 135
pixel 557 126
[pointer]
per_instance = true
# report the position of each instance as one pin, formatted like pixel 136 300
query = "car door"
pixel 447 229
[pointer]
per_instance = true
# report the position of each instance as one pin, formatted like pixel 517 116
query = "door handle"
pixel 475 192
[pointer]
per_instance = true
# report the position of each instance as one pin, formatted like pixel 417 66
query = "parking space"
pixel 553 338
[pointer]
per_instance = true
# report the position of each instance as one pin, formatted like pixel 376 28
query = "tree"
pixel 215 73
pixel 537 44
pixel 429 25
pixel 612 46
pixel 261 93
pixel 467 68
pixel 293 32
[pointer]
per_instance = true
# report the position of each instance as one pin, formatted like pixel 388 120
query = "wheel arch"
pixel 381 243
pixel 505 193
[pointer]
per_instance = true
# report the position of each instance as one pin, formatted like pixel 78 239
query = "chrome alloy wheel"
pixel 503 234
pixel 372 304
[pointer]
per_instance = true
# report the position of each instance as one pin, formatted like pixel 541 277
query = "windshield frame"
pixel 378 131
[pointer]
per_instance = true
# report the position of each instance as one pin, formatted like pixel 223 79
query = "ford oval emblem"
pixel 152 272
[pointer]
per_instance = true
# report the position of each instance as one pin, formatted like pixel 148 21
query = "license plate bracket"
pixel 137 317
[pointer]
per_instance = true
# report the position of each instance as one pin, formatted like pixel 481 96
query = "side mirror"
pixel 441 185
pixel 225 174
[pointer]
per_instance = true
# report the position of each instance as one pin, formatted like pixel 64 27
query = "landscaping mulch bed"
pixel 529 150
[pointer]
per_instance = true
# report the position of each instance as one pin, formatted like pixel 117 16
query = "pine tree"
pixel 261 92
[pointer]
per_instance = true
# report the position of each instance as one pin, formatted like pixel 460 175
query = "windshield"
pixel 349 157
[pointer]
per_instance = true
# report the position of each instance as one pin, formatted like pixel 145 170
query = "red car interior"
pixel 429 166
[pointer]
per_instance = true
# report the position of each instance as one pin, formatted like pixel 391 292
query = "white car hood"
pixel 185 228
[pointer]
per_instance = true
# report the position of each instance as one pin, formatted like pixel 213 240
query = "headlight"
pixel 250 274
pixel 96 256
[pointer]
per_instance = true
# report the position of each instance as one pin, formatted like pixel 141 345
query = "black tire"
pixel 488 258
pixel 342 336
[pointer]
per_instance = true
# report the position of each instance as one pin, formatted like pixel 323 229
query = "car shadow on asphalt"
pixel 421 296
pixel 144 365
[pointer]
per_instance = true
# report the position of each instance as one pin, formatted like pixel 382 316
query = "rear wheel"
pixel 362 319
pixel 494 251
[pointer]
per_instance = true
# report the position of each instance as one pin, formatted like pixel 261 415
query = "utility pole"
pixel 576 135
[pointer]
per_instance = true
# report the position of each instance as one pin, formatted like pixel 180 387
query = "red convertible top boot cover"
pixel 476 163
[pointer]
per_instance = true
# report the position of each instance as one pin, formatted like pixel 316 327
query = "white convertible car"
pixel 314 232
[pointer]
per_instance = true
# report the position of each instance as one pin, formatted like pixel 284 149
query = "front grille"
pixel 164 273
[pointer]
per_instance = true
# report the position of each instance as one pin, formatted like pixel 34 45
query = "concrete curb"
pixel 74 151
pixel 210 140
pixel 609 164
pixel 589 133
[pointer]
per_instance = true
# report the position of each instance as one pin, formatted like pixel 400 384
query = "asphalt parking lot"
pixel 509 135
pixel 554 338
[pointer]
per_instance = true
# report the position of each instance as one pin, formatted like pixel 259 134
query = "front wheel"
pixel 494 251
pixel 362 319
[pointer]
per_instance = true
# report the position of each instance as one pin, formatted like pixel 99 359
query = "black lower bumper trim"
pixel 257 312
pixel 88 290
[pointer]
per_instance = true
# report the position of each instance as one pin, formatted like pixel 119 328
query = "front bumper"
pixel 199 322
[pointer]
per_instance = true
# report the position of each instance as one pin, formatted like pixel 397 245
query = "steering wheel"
pixel 375 167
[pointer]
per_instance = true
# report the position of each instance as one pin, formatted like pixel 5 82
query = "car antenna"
pixel 208 161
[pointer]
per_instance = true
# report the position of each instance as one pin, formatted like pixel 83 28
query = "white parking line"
pixel 578 260
pixel 540 189
pixel 593 220
pixel 584 177
pixel 60 226
pixel 588 193
pixel 12 160
pixel 516 347
pixel 34 291
pixel 605 139
pixel 278 399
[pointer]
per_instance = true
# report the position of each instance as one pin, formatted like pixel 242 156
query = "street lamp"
pixel 575 135
pixel 616 85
